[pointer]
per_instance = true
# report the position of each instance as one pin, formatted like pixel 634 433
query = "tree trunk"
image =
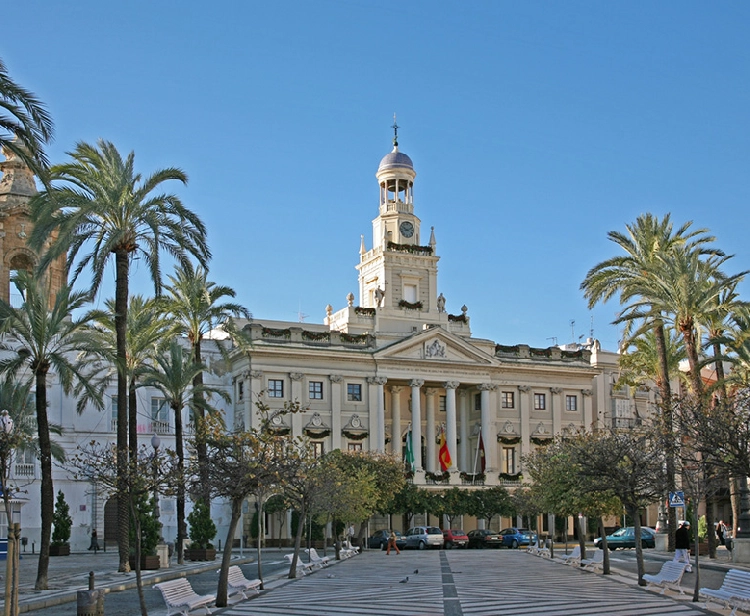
pixel 226 558
pixel 138 578
pixel 198 415
pixel 48 493
pixel 180 485
pixel 605 548
pixel 665 392
pixel 259 499
pixel 634 514
pixel 581 538
pixel 132 420
pixel 121 327
pixel 298 541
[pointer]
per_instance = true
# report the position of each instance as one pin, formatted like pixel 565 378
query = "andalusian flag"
pixel 409 453
pixel 444 453
pixel 480 452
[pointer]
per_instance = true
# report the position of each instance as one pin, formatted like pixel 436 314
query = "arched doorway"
pixel 110 521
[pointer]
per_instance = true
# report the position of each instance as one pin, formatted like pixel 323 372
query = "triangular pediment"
pixel 435 345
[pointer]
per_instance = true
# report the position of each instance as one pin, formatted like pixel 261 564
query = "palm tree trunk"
pixel 665 392
pixel 132 421
pixel 198 414
pixel 121 325
pixel 180 485
pixel 48 494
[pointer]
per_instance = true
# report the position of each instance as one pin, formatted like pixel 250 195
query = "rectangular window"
pixel 441 404
pixel 410 293
pixel 509 399
pixel 509 460
pixel 318 449
pixel 275 388
pixel 240 390
pixel 540 402
pixel 477 402
pixel 316 390
pixel 571 403
pixel 355 447
pixel 113 406
pixel 354 392
pixel 159 409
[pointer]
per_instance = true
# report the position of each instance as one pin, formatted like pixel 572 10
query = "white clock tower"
pixel 398 276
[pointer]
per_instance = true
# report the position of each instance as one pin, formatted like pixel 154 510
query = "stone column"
pixel 588 411
pixel 431 465
pixel 524 407
pixel 556 408
pixel 416 423
pixel 396 420
pixel 490 439
pixel 336 380
pixel 378 429
pixel 296 379
pixel 254 387
pixel 463 411
pixel 451 434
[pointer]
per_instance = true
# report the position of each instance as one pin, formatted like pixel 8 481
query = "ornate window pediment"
pixel 508 434
pixel 354 429
pixel 541 435
pixel 316 427
pixel 277 425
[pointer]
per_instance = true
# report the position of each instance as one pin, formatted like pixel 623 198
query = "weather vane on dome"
pixel 395 131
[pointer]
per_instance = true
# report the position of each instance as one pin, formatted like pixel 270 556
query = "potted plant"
pixel 150 533
pixel 202 531
pixel 61 525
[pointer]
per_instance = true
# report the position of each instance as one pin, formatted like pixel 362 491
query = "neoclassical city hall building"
pixel 394 361
pixel 391 362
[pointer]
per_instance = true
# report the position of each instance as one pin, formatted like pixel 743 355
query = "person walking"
pixel 94 545
pixel 720 530
pixel 392 544
pixel 682 545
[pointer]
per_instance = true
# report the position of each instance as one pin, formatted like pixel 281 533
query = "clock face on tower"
pixel 406 228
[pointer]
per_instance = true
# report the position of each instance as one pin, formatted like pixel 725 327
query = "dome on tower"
pixel 395 160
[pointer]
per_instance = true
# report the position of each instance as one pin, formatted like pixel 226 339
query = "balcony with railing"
pixel 26 470
pixel 160 427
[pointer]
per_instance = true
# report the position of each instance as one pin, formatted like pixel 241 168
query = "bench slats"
pixel 734 591
pixel 181 598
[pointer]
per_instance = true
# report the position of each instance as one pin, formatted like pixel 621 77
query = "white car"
pixel 422 537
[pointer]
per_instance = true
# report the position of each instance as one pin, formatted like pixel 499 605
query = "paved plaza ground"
pixel 453 582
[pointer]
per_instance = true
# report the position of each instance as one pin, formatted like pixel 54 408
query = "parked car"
pixel 455 538
pixel 513 537
pixel 484 538
pixel 379 540
pixel 625 538
pixel 422 537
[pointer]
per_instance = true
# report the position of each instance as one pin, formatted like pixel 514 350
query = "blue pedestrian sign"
pixel 676 499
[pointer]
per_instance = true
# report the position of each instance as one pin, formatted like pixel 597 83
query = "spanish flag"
pixel 444 454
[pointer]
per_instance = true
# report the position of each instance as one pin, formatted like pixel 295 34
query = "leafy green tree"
pixel 98 207
pixel 410 499
pixel 173 375
pixel 25 125
pixel 40 339
pixel 452 503
pixel 194 304
pixel 488 502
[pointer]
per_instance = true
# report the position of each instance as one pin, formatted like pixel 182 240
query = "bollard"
pixel 90 602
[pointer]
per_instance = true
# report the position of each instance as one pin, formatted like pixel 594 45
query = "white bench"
pixel 347 551
pixel 182 599
pixel 303 568
pixel 669 576
pixel 318 561
pixel 597 562
pixel 573 557
pixel 537 549
pixel 238 584
pixel 734 591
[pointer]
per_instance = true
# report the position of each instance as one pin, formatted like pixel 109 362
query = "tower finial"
pixel 395 132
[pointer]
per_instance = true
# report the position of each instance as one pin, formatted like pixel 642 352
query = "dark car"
pixel 455 538
pixel 484 538
pixel 513 537
pixel 625 538
pixel 379 540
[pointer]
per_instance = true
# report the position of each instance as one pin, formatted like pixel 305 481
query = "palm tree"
pixel 99 203
pixel 42 339
pixel 194 303
pixel 173 375
pixel 647 243
pixel 148 332
pixel 25 126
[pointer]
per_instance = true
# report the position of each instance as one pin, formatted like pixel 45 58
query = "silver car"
pixel 422 537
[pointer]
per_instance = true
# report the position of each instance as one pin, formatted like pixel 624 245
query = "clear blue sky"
pixel 535 128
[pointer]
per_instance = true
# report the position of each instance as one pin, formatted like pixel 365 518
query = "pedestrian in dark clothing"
pixel 682 545
pixel 94 545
